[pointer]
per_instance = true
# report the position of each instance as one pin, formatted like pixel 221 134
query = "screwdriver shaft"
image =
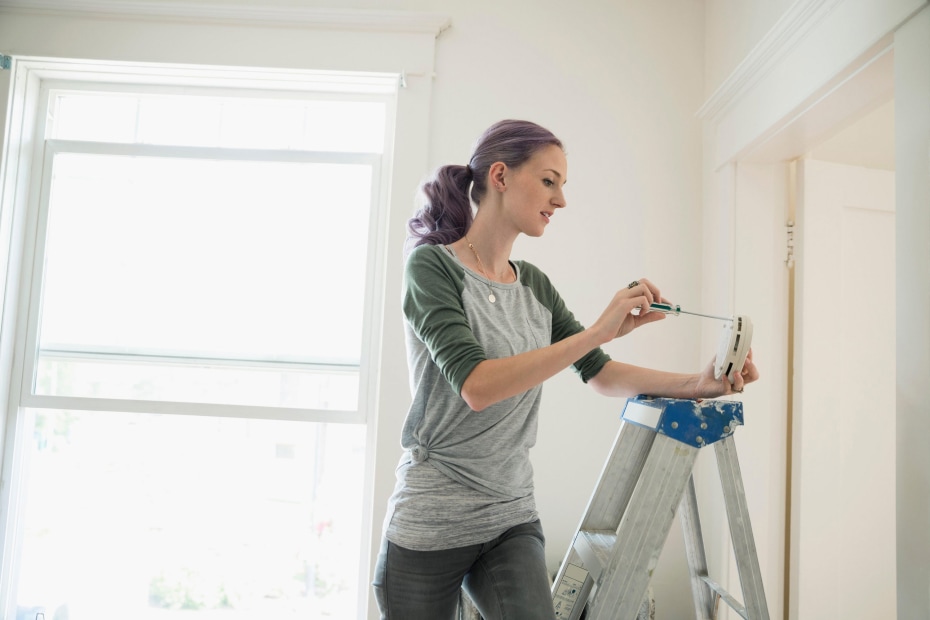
pixel 708 316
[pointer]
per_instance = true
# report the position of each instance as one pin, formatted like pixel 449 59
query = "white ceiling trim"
pixel 790 29
pixel 842 41
pixel 252 15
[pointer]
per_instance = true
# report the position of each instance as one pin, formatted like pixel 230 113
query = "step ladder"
pixel 606 572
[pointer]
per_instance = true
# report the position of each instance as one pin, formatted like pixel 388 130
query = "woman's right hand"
pixel 619 318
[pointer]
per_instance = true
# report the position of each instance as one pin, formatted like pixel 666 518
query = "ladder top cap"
pixel 693 422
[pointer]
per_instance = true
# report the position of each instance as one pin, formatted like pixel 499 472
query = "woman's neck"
pixel 489 249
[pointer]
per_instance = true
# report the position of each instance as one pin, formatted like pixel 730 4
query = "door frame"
pixel 824 64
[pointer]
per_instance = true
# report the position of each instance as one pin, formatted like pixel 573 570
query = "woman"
pixel 483 333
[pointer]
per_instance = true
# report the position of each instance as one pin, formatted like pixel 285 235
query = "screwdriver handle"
pixel 666 308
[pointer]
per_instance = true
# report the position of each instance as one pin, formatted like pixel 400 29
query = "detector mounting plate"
pixel 733 347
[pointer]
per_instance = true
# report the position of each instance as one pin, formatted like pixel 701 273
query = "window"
pixel 200 317
pixel 231 269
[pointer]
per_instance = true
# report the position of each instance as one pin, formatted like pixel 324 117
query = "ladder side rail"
pixel 618 478
pixel 701 591
pixel 744 546
pixel 571 590
pixel 563 583
pixel 643 531
pixel 606 505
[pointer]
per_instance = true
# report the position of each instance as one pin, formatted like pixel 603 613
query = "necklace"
pixel 491 296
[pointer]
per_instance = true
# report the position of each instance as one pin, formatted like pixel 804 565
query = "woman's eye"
pixel 548 182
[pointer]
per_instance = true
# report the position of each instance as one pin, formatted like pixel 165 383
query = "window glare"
pixel 256 124
pixel 185 121
pixel 231 122
pixel 215 262
pixel 339 125
pixel 101 118
pixel 174 517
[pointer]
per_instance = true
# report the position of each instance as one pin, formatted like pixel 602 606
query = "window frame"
pixel 21 182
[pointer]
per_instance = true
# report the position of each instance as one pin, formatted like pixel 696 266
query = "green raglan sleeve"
pixel 433 308
pixel 564 323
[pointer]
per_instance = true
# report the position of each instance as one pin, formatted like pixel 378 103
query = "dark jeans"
pixel 505 578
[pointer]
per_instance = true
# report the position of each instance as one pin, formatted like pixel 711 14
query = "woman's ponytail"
pixel 446 213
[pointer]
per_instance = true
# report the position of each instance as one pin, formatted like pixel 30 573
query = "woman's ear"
pixel 497 174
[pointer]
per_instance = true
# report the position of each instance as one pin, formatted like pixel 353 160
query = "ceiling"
pixel 868 142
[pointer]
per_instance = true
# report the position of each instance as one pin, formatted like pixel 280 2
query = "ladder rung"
pixel 598 542
pixel 726 596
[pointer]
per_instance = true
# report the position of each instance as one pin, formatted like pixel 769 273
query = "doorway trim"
pixel 817 52
pixel 824 64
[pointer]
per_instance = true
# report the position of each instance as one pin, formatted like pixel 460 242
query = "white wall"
pixel 733 29
pixel 619 83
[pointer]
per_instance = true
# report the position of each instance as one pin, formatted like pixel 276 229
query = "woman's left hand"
pixel 709 387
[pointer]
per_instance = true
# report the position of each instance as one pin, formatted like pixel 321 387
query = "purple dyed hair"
pixel 446 214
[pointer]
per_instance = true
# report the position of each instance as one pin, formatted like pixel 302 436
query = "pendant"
pixel 492 298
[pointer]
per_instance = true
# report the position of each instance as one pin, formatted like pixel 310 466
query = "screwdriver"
pixel 676 310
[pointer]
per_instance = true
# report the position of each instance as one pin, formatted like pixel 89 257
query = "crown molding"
pixel 252 15
pixel 787 33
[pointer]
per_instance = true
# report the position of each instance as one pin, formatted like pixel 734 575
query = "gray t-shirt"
pixel 465 477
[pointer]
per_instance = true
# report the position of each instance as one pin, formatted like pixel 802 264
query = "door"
pixel 843 483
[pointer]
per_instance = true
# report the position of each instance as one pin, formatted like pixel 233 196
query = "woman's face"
pixel 534 190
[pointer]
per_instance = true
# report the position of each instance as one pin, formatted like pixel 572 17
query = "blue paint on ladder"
pixel 692 422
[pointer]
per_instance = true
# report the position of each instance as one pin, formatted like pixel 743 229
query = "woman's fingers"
pixel 645 288
pixel 750 371
pixel 652 291
pixel 649 317
pixel 738 382
pixel 630 307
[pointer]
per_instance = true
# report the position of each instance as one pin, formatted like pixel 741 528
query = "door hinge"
pixel 789 259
